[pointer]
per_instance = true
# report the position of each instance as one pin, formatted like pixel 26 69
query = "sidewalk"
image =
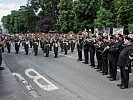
pixel 9 87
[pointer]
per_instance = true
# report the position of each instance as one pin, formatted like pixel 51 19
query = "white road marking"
pixel 38 76
pixel 28 87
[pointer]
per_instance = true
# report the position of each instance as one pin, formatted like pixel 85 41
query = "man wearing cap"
pixel 112 58
pixel 125 58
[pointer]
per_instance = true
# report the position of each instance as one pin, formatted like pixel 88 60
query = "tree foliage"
pixel 70 15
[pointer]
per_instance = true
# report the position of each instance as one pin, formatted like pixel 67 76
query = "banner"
pixel 118 31
pixel 104 31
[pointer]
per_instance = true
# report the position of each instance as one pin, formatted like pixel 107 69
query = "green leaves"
pixel 103 18
pixel 70 15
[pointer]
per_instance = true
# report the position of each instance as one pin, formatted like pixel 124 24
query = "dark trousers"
pixel 68 46
pixel 79 54
pixel 130 68
pixel 41 45
pixel 86 55
pixel 8 48
pixel 47 50
pixel 124 76
pixel 35 49
pixel 113 69
pixel 0 57
pixel 92 60
pixel 56 51
pixel 99 60
pixel 61 45
pixel 3 49
pixel 50 48
pixel 31 44
pixel 16 48
pixel 65 49
pixel 26 49
pixel 72 47
pixel 105 65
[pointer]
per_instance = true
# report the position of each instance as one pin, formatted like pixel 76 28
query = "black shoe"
pixel 2 68
pixel 123 87
pixel 35 54
pixel 104 74
pixel 111 79
pixel 119 85
pixel 55 57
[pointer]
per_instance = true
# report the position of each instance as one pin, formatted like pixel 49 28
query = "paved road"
pixel 67 78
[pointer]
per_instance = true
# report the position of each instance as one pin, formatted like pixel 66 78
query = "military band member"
pixel 26 45
pixel 104 55
pixel 61 43
pixel 86 49
pixel 51 44
pixel 35 45
pixel 112 57
pixel 41 43
pixel 125 58
pixel 8 43
pixel 17 44
pixel 31 41
pixel 47 46
pixel 99 49
pixel 72 43
pixel 65 45
pixel 79 48
pixel 55 46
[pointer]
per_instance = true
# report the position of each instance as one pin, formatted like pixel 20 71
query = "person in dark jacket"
pixel 35 46
pixel 104 55
pixel 125 58
pixel 79 48
pixel 8 44
pixel 26 46
pixel 99 47
pixel 86 49
pixel 112 58
pixel 55 46
pixel 92 51
pixel 17 44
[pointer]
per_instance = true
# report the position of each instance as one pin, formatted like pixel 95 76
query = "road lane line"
pixel 28 87
pixel 37 76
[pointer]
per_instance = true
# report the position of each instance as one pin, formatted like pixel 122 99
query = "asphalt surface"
pixel 75 80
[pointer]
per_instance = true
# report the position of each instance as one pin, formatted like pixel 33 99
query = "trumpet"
pixel 105 49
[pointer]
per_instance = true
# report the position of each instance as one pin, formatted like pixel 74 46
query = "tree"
pixel 123 13
pixel 104 18
pixel 45 9
pixel 65 20
pixel 45 25
pixel 85 11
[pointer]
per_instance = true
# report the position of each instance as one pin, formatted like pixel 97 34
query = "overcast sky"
pixel 6 6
